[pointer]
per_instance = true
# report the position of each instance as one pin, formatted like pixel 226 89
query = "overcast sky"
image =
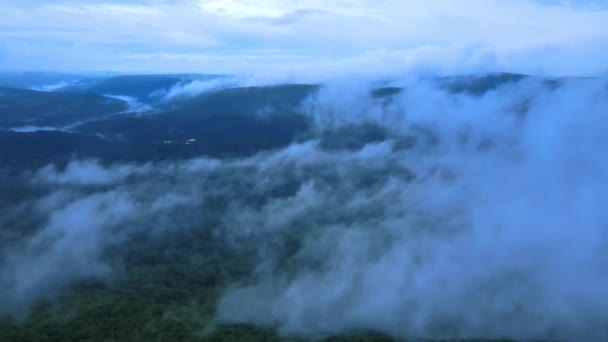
pixel 306 36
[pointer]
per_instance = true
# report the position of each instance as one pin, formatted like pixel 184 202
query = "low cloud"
pixel 28 129
pixel 135 106
pixel 87 172
pixel 54 86
pixel 66 250
pixel 193 88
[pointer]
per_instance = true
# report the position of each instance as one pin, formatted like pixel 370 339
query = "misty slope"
pixel 415 209
pixel 21 107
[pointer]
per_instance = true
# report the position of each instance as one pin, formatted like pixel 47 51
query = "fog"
pixel 426 213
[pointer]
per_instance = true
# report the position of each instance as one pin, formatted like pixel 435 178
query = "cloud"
pixel 54 86
pixel 27 129
pixel 66 250
pixel 193 88
pixel 87 172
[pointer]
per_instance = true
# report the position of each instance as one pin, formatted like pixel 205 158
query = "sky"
pixel 545 37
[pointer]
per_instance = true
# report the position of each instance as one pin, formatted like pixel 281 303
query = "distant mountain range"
pixel 87 116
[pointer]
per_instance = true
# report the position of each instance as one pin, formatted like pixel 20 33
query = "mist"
pixel 426 213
